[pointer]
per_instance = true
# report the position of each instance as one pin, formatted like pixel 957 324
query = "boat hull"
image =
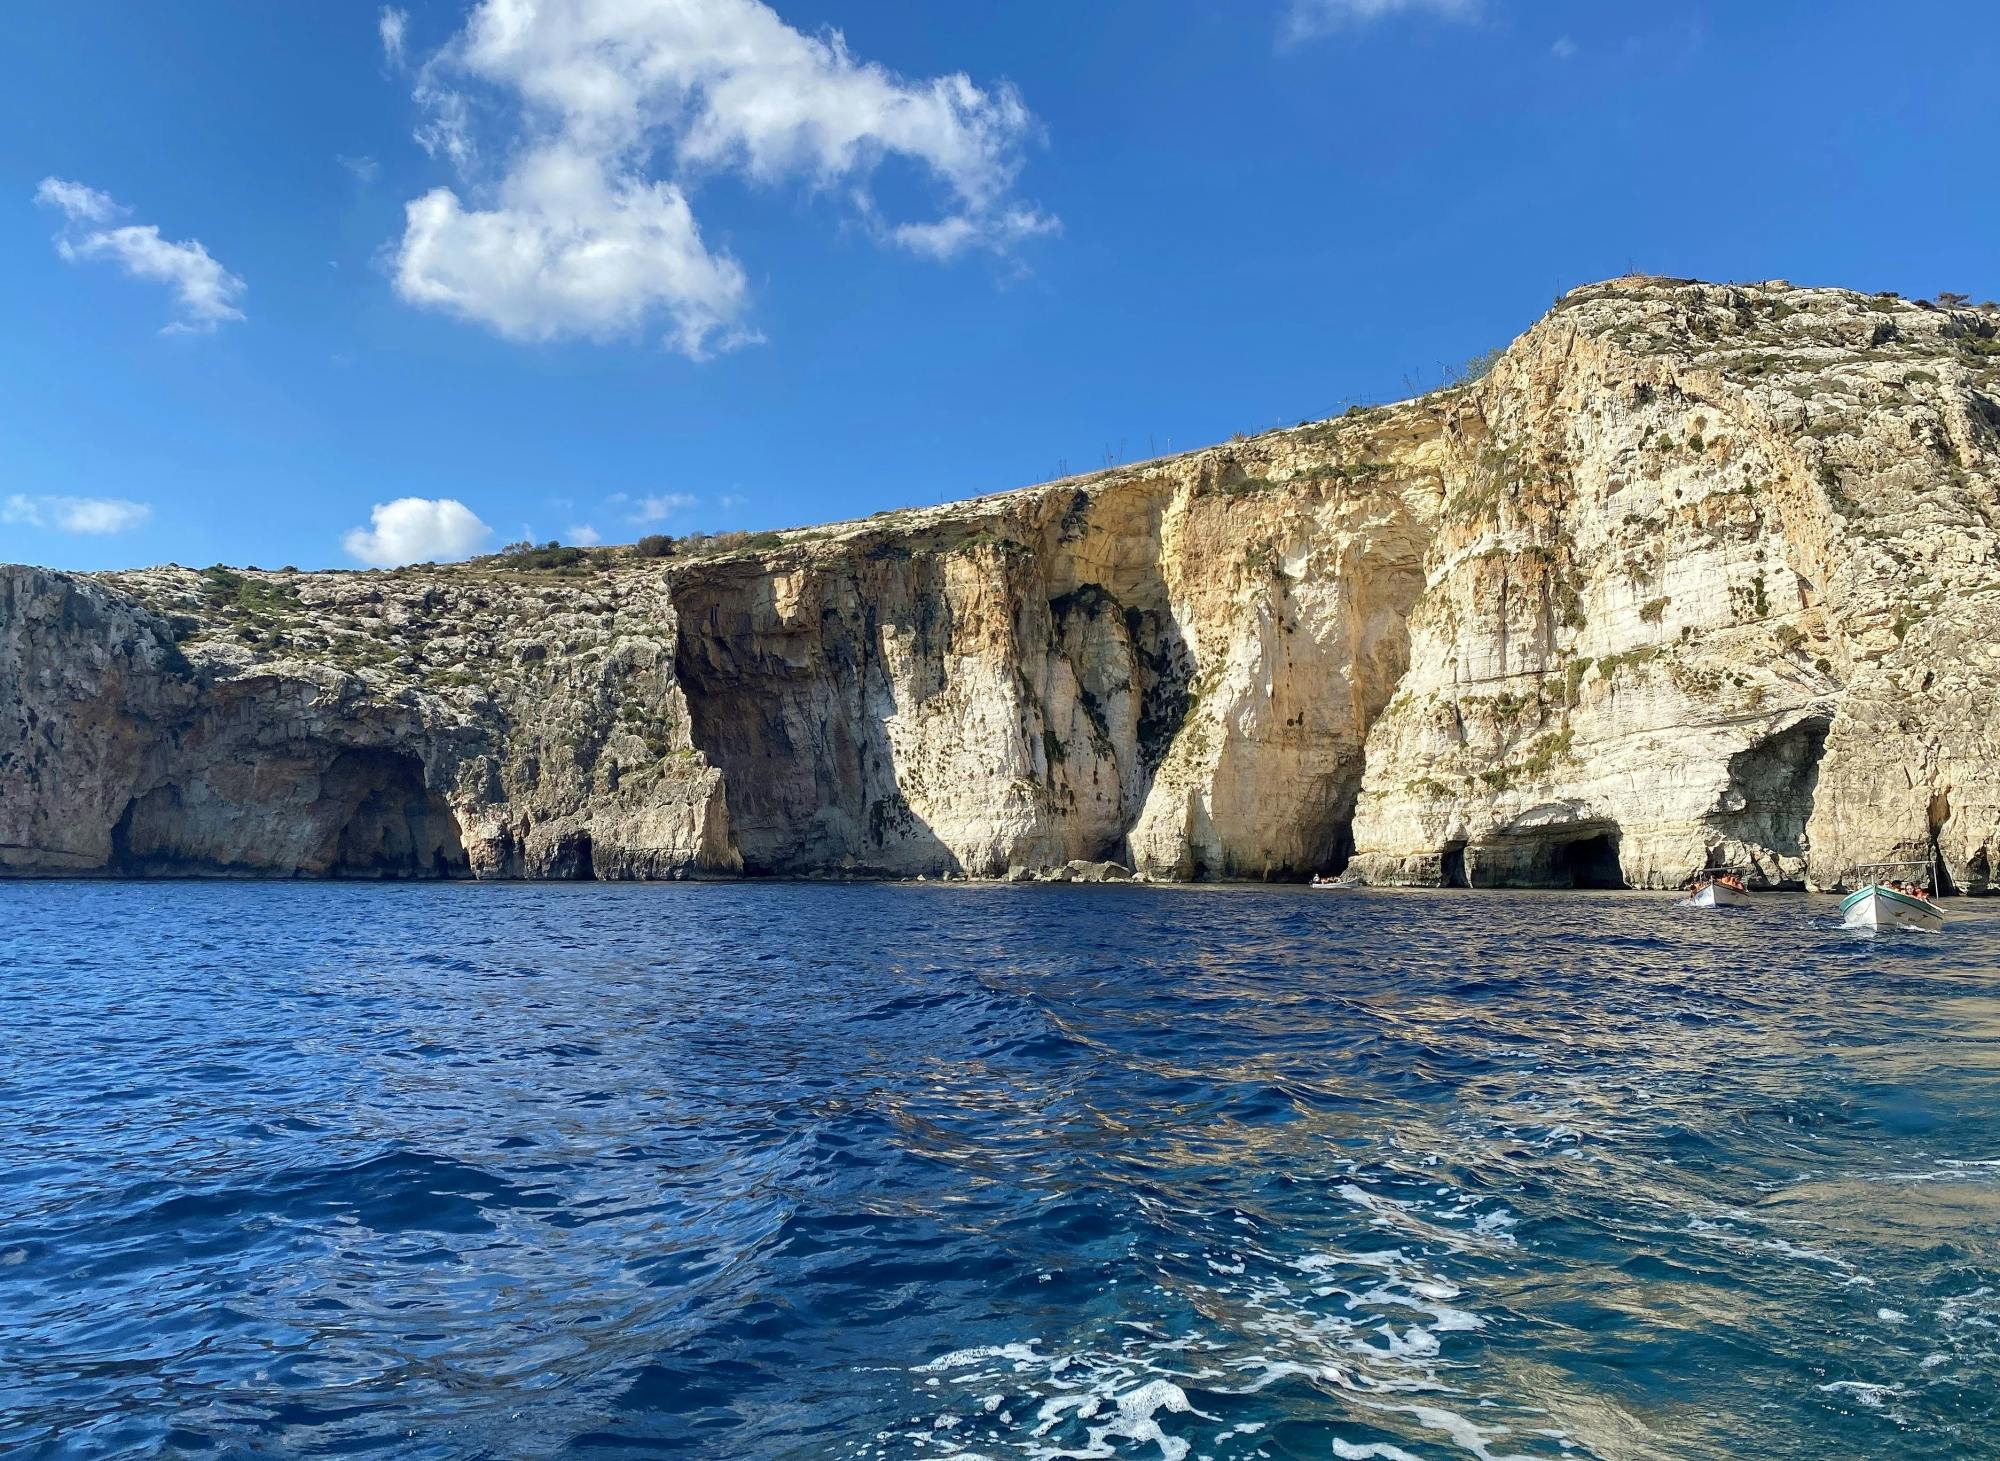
pixel 1878 907
pixel 1715 895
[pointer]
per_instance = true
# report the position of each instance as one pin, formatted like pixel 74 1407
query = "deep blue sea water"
pixel 874 1171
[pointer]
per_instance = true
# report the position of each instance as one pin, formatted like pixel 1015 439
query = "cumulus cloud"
pixel 1309 19
pixel 570 250
pixel 581 237
pixel 205 293
pixel 583 535
pixel 417 530
pixel 95 515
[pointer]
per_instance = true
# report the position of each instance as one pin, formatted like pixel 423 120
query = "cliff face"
pixel 1696 572
pixel 1715 577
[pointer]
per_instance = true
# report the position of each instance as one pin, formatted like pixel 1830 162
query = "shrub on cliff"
pixel 529 557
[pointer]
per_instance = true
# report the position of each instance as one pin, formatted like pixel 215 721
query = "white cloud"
pixel 363 169
pixel 393 26
pixel 205 292
pixel 582 238
pixel 654 508
pixel 570 251
pixel 1309 19
pixel 94 515
pixel 949 237
pixel 447 130
pixel 583 535
pixel 1563 49
pixel 83 205
pixel 417 530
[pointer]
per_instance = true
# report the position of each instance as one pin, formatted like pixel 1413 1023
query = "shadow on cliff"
pixel 794 711
pixel 1772 785
pixel 350 813
pixel 795 683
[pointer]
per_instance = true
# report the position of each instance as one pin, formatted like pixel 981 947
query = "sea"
pixel 768 1171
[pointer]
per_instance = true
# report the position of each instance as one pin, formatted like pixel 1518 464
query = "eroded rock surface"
pixel 1695 574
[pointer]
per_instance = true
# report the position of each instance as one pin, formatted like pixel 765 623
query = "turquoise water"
pixel 808 1171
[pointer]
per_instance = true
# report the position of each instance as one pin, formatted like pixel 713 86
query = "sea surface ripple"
pixel 910 1171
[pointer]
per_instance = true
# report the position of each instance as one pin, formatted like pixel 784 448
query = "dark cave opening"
pixel 1451 870
pixel 363 813
pixel 394 826
pixel 573 858
pixel 1588 862
pixel 1565 855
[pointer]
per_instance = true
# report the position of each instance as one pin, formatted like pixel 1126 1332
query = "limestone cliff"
pixel 1694 573
pixel 1715 579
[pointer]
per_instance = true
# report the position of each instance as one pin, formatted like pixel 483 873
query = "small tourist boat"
pixel 1886 901
pixel 1341 883
pixel 1717 887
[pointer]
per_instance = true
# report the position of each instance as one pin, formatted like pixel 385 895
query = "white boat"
pixel 1908 904
pixel 1717 895
pixel 1337 885
pixel 1874 906
pixel 1717 887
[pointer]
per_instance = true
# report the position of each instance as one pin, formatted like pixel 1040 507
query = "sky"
pixel 340 285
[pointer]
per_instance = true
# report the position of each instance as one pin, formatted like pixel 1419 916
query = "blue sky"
pixel 695 266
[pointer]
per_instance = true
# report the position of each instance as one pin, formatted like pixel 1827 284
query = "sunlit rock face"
pixel 1694 574
pixel 1713 581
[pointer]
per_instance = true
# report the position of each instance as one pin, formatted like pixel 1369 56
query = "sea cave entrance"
pixel 393 826
pixel 1588 862
pixel 1451 867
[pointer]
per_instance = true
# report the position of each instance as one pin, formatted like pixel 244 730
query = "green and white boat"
pixel 1885 901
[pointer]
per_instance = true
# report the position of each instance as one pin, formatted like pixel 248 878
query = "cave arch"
pixel 390 824
pixel 1589 862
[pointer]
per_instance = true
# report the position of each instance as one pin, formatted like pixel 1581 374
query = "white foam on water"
pixel 1945 1169
pixel 1135 1418
pixel 1377 1451
pixel 1321 1262
pixel 1734 1237
pixel 1359 1323
pixel 958 1359
pixel 1865 1393
pixel 1469 1437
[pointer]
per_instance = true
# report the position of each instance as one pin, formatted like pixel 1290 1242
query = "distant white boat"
pixel 1717 895
pixel 1340 884
pixel 1716 887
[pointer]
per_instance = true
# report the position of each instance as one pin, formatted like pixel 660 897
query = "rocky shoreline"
pixel 1695 574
